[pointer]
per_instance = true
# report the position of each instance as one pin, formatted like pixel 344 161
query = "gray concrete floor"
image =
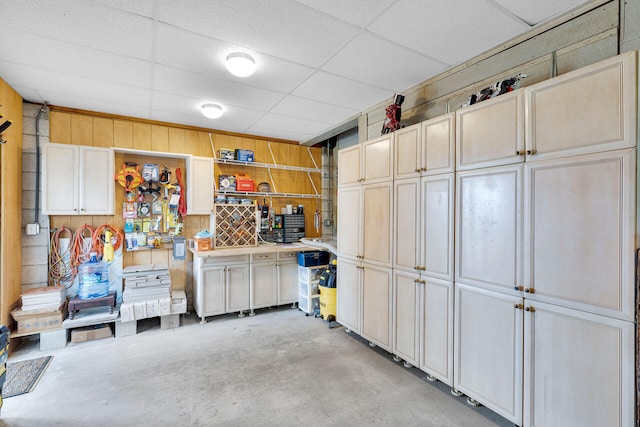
pixel 278 368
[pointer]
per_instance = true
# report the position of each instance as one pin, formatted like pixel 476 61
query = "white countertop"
pixel 329 244
pixel 260 249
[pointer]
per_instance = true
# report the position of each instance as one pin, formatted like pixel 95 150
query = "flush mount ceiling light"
pixel 211 111
pixel 240 64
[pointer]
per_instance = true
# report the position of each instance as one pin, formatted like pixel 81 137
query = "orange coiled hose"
pixel 81 248
pixel 98 240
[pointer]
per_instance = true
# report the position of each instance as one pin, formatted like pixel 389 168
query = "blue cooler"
pixel 313 258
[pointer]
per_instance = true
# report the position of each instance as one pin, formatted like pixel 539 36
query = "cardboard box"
pixel 244 155
pixel 90 333
pixel 33 322
pixel 226 183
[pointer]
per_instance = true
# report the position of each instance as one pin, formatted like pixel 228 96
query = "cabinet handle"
pixel 424 282
pixel 417 170
pixel 518 306
pixel 530 152
pixel 517 288
pixel 529 290
pixel 423 268
pixel 424 169
pixel 531 309
pixel 518 152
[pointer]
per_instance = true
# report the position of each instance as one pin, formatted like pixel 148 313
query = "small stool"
pixel 77 304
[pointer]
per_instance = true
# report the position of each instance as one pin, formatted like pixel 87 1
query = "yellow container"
pixel 327 303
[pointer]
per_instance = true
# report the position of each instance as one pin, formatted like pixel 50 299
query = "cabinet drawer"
pixel 288 256
pixel 263 257
pixel 224 260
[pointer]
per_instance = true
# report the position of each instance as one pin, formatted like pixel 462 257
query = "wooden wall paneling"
pixel 142 136
pixel 179 271
pixel 10 204
pixel 176 140
pixel 261 151
pixel 142 256
pixel 159 138
pixel 60 127
pixel 102 132
pixel 191 142
pixel 81 129
pixel 203 147
pixel 122 134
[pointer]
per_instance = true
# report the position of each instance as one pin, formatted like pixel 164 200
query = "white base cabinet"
pixel 579 368
pixel 287 277
pixel 377 305
pixel 263 289
pixel 349 294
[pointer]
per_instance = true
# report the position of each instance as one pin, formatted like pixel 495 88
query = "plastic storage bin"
pixel 313 258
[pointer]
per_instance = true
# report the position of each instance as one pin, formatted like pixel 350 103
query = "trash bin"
pixel 327 286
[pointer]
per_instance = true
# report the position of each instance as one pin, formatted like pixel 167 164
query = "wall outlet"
pixel 328 222
pixel 32 229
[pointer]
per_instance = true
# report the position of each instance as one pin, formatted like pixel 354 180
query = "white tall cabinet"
pixel 365 222
pixel 512 255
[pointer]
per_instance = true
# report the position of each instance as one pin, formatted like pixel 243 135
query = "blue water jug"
pixel 94 278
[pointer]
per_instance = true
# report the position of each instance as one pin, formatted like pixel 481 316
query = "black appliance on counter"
pixel 286 229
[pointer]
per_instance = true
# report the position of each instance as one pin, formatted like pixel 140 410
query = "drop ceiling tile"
pixel 356 12
pixel 447 31
pixel 301 108
pixel 292 124
pixel 203 122
pixel 179 82
pixel 335 90
pixel 190 107
pixel 284 29
pixel 84 23
pixel 94 104
pixel 276 133
pixel 203 55
pixel 75 60
pixel 139 7
pixel 535 12
pixel 378 62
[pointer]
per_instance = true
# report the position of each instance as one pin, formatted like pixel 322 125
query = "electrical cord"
pixel 98 239
pixel 81 247
pixel 60 269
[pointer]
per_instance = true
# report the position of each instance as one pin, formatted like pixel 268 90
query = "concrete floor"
pixel 278 368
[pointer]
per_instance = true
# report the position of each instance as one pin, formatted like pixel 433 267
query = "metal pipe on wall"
pixel 37 201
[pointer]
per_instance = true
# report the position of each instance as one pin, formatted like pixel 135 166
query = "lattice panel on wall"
pixel 235 226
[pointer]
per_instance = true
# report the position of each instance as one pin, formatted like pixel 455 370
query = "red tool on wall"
pixel 182 204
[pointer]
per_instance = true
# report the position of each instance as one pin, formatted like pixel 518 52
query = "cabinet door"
pixel 237 288
pixel 406 325
pixel 488 349
pixel 580 232
pixel 436 236
pixel 287 282
pixel 96 184
pixel 407 152
pixel 436 331
pixel 199 185
pixel 349 222
pixel 377 223
pixel 377 159
pixel 579 368
pixel 348 294
pixel 377 305
pixel 489 228
pixel 60 177
pixel 406 252
pixel 438 145
pixel 349 167
pixel 264 292
pixel 491 132
pixel 211 298
pixel 584 111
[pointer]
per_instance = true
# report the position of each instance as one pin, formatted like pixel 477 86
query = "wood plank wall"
pixel 85 128
pixel 10 204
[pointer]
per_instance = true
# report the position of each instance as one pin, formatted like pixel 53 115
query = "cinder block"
pixel 170 321
pixel 50 340
pixel 124 329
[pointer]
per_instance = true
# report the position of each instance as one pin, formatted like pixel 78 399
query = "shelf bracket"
pixel 213 149
pixel 273 184
pixel 312 159
pixel 272 156
pixel 315 190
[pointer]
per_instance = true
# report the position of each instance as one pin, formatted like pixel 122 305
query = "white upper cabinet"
pixel 377 223
pixel 349 166
pixel 425 148
pixel 489 228
pixel 406 252
pixel 200 185
pixel 349 237
pixel 377 160
pixel 579 233
pixel 77 180
pixel 491 133
pixel 584 111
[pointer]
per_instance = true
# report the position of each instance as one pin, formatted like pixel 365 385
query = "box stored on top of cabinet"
pixel 244 155
pixel 313 258
pixel 226 154
pixel 226 183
